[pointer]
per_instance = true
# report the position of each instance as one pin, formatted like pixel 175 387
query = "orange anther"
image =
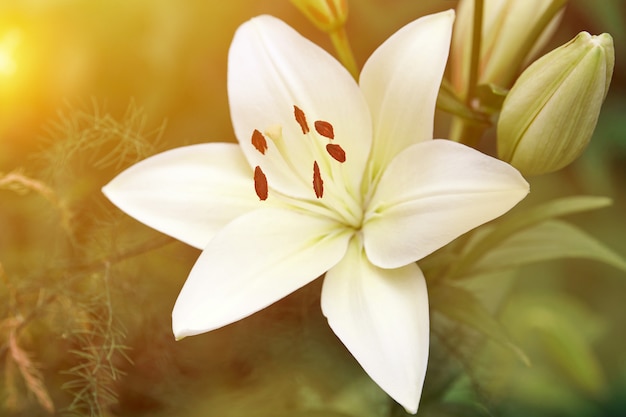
pixel 336 152
pixel 318 184
pixel 260 183
pixel 259 142
pixel 325 129
pixel 301 119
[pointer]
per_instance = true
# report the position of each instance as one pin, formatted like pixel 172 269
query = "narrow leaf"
pixel 520 220
pixel 552 239
pixel 567 348
pixel 463 307
pixel 561 329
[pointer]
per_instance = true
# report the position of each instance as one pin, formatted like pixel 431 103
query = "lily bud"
pixel 513 32
pixel 549 115
pixel 327 15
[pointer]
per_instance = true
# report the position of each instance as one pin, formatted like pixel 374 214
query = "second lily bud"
pixel 513 32
pixel 550 114
pixel 327 15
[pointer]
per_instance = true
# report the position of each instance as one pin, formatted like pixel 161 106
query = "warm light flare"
pixel 8 45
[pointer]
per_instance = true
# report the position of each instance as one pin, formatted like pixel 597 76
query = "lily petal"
pixel 188 193
pixel 271 69
pixel 254 261
pixel 401 81
pixel 432 193
pixel 381 315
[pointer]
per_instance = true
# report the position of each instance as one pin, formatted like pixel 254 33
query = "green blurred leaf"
pixel 572 354
pixel 463 307
pixel 449 410
pixel 537 389
pixel 491 288
pixel 486 239
pixel 559 329
pixel 552 239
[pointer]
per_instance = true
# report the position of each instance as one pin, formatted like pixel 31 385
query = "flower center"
pixel 326 176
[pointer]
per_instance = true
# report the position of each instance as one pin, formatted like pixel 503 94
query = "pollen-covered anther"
pixel 336 152
pixel 260 183
pixel 301 119
pixel 318 183
pixel 259 142
pixel 325 129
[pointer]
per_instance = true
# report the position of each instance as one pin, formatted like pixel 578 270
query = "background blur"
pixel 77 77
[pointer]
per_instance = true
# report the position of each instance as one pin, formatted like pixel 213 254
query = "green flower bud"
pixel 513 32
pixel 327 15
pixel 549 115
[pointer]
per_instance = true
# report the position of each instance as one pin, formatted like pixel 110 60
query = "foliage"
pixel 67 302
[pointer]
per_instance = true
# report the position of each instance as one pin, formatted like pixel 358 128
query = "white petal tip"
pixel 183 328
pixel 106 190
pixel 450 14
pixel 181 333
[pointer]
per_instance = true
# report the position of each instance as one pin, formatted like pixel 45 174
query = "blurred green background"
pixel 89 87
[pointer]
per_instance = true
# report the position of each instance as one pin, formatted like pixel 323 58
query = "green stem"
pixel 463 130
pixel 477 34
pixel 467 132
pixel 341 44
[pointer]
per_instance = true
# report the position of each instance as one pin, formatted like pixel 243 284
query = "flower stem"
pixel 341 44
pixel 467 132
pixel 477 34
pixel 462 129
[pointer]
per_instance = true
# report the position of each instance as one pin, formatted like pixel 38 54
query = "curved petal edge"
pixel 381 316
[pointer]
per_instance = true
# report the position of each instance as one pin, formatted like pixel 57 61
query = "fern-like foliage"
pixel 96 138
pixel 99 349
pixel 60 300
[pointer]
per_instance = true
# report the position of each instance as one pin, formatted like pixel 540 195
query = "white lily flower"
pixel 329 176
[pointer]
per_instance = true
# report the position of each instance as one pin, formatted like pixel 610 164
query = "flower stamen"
pixel 325 129
pixel 259 142
pixel 260 183
pixel 318 183
pixel 336 152
pixel 301 119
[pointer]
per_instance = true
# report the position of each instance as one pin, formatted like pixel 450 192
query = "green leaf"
pixel 559 329
pixel 489 238
pixel 463 307
pixel 566 347
pixel 541 393
pixel 448 410
pixel 552 239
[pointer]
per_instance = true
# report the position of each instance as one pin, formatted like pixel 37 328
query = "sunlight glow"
pixel 8 45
